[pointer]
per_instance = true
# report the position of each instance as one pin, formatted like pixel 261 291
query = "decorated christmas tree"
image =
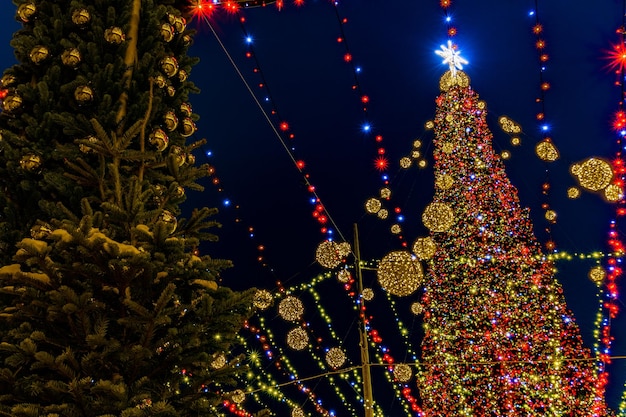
pixel 107 306
pixel 499 338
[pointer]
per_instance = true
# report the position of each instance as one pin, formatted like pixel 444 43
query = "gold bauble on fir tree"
pixel 160 81
pixel 11 103
pixel 182 75
pixel 170 120
pixel 7 80
pixel 186 109
pixel 169 66
pixel 71 57
pixel 158 138
pixel 114 35
pixel 167 32
pixel 188 127
pixel 180 24
pixel 171 91
pixel 83 94
pixel 180 157
pixel 187 40
pixel 81 17
pixel 169 218
pixel 30 162
pixel 26 11
pixel 39 54
pixel 191 159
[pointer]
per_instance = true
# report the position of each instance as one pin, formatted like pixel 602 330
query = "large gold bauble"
pixel 417 308
pixel 373 205
pixel 335 357
pixel 238 396
pixel 424 248
pixel 613 193
pixel 405 162
pixel 7 80
pixel 597 274
pixel 30 162
pixel 26 11
pixel 160 81
pixel 550 216
pixel 168 217
pixel 297 412
pixel 188 127
pixel 81 17
pixel 114 35
pixel 383 214
pixel 343 276
pixel 180 157
pixel 385 193
pixel 169 66
pixel 508 125
pixel 327 254
pixel 399 274
pixel 367 294
pixel 179 24
pixel 182 75
pixel 262 299
pixel 298 339
pixel 71 57
pixel 158 138
pixel 444 181
pixel 402 372
pixel 219 361
pixel 290 308
pixel 447 80
pixel 546 151
pixel 167 32
pixel 438 217
pixel 83 94
pixel 573 192
pixel 186 109
pixel 11 103
pixel 593 174
pixel 39 54
pixel 170 120
pixel 396 229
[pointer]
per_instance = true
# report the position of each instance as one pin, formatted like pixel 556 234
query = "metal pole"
pixel 368 396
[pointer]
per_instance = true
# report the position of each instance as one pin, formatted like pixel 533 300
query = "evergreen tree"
pixel 499 339
pixel 108 309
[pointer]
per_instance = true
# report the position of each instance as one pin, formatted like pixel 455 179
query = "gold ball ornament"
pixel 26 11
pixel 396 229
pixel 83 94
pixel 402 372
pixel 573 192
pixel 158 138
pixel 186 109
pixel 429 125
pixel 160 81
pixel 447 80
pixel 344 249
pixel 505 155
pixel 187 40
pixel 373 205
pixel 385 193
pixel 30 162
pixel 405 162
pixel 546 151
pixel 169 66
pixel 424 248
pixel 191 159
pixel 170 121
pixel 179 191
pixel 508 125
pixel 597 274
pixel 550 216
pixel 7 80
pixel 297 412
pixel 335 357
pixel 167 32
pixel 179 24
pixel 415 154
pixel 238 396
pixel 613 193
pixel 297 339
pixel 399 273
pixel 367 294
pixel 182 75
pixel 383 214
pixel 516 141
pixel 262 299
pixel 188 127
pixel 343 276
pixel 11 103
pixel 422 163
pixel 417 308
pixel 168 217
pixel 179 155
pixel 593 174
pixel 219 361
pixel 417 143
pixel 290 308
pixel 327 254
pixel 170 90
pixel 444 182
pixel 39 54
pixel 114 35
pixel 71 57
pixel 438 217
pixel 81 17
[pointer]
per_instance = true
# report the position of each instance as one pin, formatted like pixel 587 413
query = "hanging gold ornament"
pixel 7 80
pixel 593 174
pixel 373 205
pixel 169 66
pixel 186 109
pixel 399 274
pixel 297 412
pixel 290 308
pixel 481 105
pixel 385 193
pixel 83 94
pixel 444 181
pixel 11 103
pixel 344 249
pixel 114 35
pixel 26 11
pixel 160 81
pixel 422 163
pixel 597 274
pixel 429 125
pixel 573 192
pixel 84 148
pixel 180 157
pixel 335 357
pixel 71 57
pixel 327 254
pixel 343 276
pixel 182 75
pixel 30 162
pixel 417 143
pixel 613 193
pixel 191 159
pixel 179 192
pixel 516 141
pixel 187 40
pixel 170 120
pixel 40 231
pixel 158 138
pixel 297 339
pixel 262 299
pixel 546 151
pixel 168 217
pixel 550 216
pixel 405 162
pixel 508 125
pixel 188 127
pixel 417 308
pixel 39 54
pixel 171 91
pixel 447 80
pixel 367 294
pixel 438 217
pixel 505 154
pixel 219 361
pixel 167 32
pixel 396 229
pixel 382 214
pixel 81 17
pixel 424 248
pixel 238 396
pixel 179 24
pixel 402 372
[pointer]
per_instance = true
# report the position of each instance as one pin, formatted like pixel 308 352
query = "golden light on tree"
pixel 438 217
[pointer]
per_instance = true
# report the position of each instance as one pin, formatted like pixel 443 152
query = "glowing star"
pixel 452 57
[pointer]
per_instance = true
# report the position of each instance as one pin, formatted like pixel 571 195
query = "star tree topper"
pixel 452 57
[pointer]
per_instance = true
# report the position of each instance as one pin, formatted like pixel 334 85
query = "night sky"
pixel 302 66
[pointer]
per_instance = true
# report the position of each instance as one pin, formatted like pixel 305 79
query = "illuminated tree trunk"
pixel 499 339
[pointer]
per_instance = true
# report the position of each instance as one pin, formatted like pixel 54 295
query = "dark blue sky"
pixel 393 42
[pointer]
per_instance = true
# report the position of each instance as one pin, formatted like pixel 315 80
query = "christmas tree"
pixel 107 306
pixel 499 339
